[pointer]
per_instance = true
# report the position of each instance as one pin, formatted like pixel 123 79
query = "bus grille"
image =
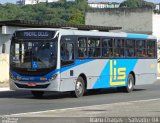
pixel 37 86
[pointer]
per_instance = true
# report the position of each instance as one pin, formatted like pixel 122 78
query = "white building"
pixel 157 7
pixel 103 4
pixel 31 2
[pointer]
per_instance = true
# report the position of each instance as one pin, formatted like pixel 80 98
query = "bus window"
pixel 140 48
pixel 94 47
pixel 67 53
pixel 107 47
pixel 151 48
pixel 119 48
pixel 130 48
pixel 82 47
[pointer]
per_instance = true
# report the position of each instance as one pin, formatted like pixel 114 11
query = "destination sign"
pixel 35 34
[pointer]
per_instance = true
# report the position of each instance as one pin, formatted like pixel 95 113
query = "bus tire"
pixel 79 88
pixel 130 85
pixel 38 94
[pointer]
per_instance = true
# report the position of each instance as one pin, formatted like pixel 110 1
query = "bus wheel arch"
pixel 84 78
pixel 134 76
pixel 130 83
pixel 80 86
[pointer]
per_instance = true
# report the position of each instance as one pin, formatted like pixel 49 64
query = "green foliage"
pixel 59 12
pixel 136 4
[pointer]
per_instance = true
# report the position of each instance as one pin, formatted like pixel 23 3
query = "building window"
pixel 3 48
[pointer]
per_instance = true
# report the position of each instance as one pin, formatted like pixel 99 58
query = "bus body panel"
pixel 100 73
pixel 146 71
pixel 53 85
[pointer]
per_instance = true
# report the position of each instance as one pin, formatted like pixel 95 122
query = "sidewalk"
pixel 4 89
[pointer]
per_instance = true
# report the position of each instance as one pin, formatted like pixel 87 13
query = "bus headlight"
pixel 53 77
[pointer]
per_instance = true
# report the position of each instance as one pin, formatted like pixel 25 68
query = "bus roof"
pixel 94 33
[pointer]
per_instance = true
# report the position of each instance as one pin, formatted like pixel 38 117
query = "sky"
pixel 14 1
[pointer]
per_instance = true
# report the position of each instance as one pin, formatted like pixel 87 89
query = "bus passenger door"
pixel 67 55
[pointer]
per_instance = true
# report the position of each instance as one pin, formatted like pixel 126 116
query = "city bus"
pixel 70 60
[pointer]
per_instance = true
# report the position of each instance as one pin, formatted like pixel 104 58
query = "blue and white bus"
pixel 61 60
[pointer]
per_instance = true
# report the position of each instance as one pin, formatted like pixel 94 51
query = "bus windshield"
pixel 33 55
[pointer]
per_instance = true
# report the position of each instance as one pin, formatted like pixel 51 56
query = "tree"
pixel 56 12
pixel 136 4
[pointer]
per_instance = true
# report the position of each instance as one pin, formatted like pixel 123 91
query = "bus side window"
pixel 119 48
pixel 82 47
pixel 140 48
pixel 151 48
pixel 67 54
pixel 130 48
pixel 107 47
pixel 94 47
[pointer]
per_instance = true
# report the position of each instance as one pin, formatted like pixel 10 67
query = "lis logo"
pixel 117 74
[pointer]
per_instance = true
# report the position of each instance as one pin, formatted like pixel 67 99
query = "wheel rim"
pixel 79 88
pixel 130 83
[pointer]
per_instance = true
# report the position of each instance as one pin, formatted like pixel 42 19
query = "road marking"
pixel 38 112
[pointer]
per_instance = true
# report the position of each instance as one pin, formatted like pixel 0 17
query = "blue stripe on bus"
pixel 77 63
pixel 49 75
pixel 103 80
pixel 141 36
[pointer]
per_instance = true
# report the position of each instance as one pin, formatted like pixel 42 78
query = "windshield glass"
pixel 33 55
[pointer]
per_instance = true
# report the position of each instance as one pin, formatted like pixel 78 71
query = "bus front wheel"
pixel 37 94
pixel 79 88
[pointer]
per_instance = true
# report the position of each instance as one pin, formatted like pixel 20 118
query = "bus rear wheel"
pixel 130 85
pixel 38 94
pixel 79 88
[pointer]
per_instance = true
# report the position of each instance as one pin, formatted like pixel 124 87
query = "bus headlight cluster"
pixel 53 77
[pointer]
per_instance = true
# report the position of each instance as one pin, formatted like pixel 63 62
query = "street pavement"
pixel 58 107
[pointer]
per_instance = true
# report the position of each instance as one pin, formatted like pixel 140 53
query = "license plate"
pixel 31 84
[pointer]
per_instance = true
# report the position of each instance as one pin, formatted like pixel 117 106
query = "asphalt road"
pixel 12 102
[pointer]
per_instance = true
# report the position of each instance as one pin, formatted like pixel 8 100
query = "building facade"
pixel 32 2
pixel 139 20
pixel 103 4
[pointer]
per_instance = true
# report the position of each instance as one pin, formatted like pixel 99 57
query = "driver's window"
pixel 67 54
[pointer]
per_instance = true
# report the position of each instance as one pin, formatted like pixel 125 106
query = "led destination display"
pixel 35 34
